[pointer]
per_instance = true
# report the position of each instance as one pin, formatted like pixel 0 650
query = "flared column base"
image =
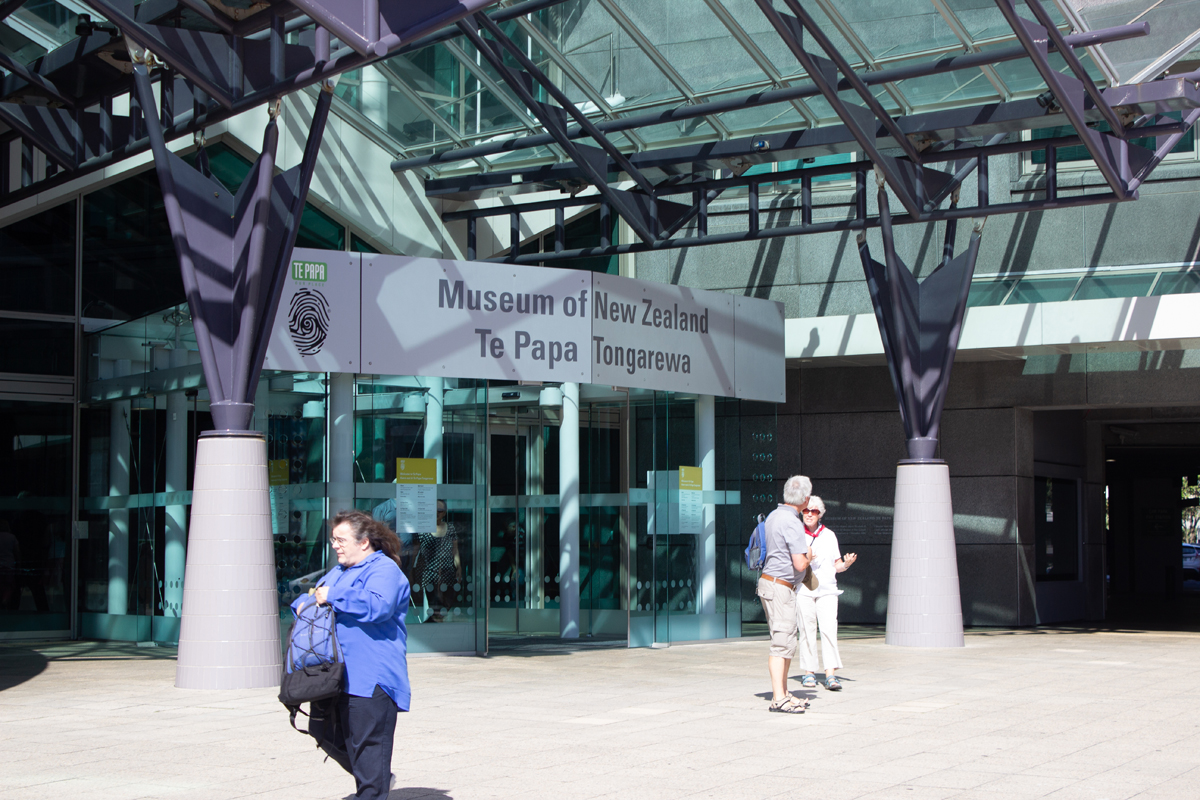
pixel 924 606
pixel 229 634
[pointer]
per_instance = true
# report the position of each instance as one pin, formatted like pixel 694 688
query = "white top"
pixel 824 548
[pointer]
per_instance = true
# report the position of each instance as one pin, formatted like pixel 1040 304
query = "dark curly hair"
pixel 364 526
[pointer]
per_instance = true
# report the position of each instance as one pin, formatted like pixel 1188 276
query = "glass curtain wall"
pixel 400 423
pixel 667 564
pixel 37 421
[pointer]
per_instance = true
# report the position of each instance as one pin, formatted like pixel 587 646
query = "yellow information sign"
pixel 277 472
pixel 691 478
pixel 416 470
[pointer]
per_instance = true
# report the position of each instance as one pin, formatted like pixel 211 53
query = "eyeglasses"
pixel 811 511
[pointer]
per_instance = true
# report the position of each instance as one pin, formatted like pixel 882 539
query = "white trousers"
pixel 813 613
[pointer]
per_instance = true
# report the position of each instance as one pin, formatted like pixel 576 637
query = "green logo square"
pixel 314 271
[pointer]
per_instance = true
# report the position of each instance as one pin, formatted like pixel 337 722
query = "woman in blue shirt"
pixel 370 595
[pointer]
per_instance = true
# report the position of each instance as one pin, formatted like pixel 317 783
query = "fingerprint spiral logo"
pixel 308 321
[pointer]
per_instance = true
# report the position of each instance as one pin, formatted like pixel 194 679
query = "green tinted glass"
pixel 1042 290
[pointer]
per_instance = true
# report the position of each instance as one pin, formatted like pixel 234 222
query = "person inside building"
pixel 818 608
pixel 439 565
pixel 785 563
pixel 370 596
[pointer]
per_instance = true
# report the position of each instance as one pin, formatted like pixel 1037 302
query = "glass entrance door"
pixel 523 522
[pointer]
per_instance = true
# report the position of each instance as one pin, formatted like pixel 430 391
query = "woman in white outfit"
pixel 818 609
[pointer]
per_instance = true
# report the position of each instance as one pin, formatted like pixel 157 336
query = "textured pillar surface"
pixel 568 514
pixel 706 542
pixel 118 486
pixel 340 413
pixel 229 635
pixel 924 607
pixel 175 550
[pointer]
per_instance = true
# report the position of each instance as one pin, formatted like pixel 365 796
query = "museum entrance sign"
pixel 346 312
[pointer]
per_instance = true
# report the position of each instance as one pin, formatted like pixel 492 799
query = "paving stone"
pixel 1015 714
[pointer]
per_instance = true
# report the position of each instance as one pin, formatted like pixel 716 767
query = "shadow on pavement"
pixel 420 793
pixel 19 664
pixel 22 662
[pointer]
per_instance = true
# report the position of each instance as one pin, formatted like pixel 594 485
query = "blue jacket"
pixel 371 599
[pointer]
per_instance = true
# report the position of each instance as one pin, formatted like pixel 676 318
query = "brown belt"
pixel 779 581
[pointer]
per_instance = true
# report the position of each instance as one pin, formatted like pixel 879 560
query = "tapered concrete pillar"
pixel 706 542
pixel 568 514
pixel 434 406
pixel 175 550
pixel 118 486
pixel 340 415
pixel 924 608
pixel 229 635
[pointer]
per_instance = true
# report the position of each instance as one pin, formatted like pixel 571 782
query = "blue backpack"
pixel 313 665
pixel 756 550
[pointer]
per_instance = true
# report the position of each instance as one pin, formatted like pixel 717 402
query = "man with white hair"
pixel 786 560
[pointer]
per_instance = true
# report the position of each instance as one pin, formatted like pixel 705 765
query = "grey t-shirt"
pixel 785 538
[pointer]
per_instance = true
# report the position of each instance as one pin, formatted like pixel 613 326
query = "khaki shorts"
pixel 780 604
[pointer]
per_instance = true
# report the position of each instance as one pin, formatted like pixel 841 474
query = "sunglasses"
pixel 811 511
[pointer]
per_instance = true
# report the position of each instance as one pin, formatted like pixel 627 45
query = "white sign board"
pixel 396 315
pixel 416 495
pixel 423 316
pixel 658 336
pixel 316 327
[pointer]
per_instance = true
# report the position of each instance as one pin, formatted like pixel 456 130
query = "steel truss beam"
pixel 641 211
pixel 1115 158
pixel 909 180
pixel 939 127
pixel 212 77
pixel 770 97
pixel 973 159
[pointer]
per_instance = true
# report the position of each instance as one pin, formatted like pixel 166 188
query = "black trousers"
pixel 358 732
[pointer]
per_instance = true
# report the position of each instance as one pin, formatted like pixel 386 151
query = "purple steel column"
pixel 233 252
pixel 920 326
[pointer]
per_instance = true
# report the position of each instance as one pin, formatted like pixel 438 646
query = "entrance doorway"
pixel 1153 572
pixel 523 519
pixel 523 522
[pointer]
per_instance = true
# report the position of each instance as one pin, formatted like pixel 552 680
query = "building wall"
pixel 1004 423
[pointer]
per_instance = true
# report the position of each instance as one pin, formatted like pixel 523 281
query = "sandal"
pixel 788 705
pixel 809 681
pixel 833 684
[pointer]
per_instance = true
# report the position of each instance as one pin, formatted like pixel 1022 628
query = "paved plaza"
pixel 1076 715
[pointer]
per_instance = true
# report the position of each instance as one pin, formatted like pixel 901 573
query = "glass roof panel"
pixel 683 130
pixel 695 43
pixel 763 119
pixel 955 87
pixel 592 42
pixel 1170 22
pixel 983 21
pixel 47 23
pixel 889 28
pixel 759 29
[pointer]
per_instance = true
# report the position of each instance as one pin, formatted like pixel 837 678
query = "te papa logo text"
pixel 538 349
pixel 309 271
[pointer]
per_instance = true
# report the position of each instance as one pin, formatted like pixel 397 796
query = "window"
pixel 1077 157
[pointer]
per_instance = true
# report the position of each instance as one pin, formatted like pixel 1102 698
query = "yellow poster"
pixel 416 470
pixel 277 472
pixel 691 478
